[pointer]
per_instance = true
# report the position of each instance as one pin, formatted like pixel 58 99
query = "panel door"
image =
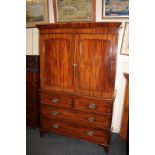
pixel 56 62
pixel 94 64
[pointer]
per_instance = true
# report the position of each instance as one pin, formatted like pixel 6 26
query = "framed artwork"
pixel 125 41
pixel 74 10
pixel 115 8
pixel 36 12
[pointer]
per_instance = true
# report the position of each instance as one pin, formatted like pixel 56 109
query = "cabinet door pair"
pixel 78 63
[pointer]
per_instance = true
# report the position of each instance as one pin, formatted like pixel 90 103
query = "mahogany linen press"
pixel 77 79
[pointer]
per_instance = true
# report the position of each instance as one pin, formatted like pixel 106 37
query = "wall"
pixel 122 60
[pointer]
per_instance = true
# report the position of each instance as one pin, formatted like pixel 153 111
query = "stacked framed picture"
pixel 118 10
pixel 125 40
pixel 115 8
pixel 36 12
pixel 74 10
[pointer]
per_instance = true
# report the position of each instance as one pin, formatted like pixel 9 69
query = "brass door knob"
pixel 74 65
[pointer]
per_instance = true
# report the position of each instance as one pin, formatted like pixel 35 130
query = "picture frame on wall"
pixel 125 40
pixel 115 9
pixel 36 12
pixel 74 10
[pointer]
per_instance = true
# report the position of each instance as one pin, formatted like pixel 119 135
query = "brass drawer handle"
pixel 90 133
pixel 91 119
pixel 56 126
pixel 55 100
pixel 92 106
pixel 55 113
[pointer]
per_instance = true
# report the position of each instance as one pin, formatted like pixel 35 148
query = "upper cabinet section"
pixel 79 58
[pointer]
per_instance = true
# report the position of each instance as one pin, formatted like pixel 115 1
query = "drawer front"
pixel 81 118
pixel 94 106
pixel 55 100
pixel 96 136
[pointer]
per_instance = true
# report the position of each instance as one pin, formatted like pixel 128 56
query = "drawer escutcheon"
pixel 55 100
pixel 92 106
pixel 56 126
pixel 91 119
pixel 90 133
pixel 55 113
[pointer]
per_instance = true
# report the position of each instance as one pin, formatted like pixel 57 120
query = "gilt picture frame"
pixel 115 9
pixel 74 10
pixel 36 12
pixel 125 40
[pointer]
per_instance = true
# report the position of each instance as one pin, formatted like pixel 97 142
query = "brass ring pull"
pixel 91 119
pixel 92 106
pixel 90 133
pixel 55 113
pixel 55 100
pixel 55 126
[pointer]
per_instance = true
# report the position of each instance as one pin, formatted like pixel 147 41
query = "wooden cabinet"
pixel 32 94
pixel 77 78
pixel 125 115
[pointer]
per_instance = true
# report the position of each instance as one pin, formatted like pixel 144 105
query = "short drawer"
pixel 55 100
pixel 81 118
pixel 75 131
pixel 94 106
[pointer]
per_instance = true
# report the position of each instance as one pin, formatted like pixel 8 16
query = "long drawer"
pixel 75 131
pixel 76 116
pixel 96 106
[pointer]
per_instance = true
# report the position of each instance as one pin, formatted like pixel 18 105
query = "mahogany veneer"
pixel 77 79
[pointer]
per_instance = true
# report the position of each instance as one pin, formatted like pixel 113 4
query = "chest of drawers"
pixel 77 78
pixel 69 116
